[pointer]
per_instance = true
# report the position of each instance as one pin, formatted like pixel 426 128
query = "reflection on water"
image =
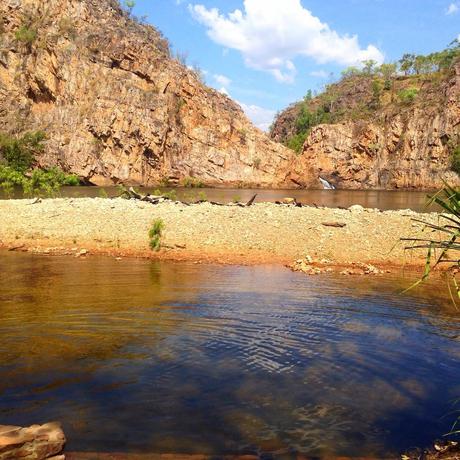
pixel 381 199
pixel 142 356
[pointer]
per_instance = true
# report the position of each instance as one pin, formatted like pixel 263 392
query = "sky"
pixel 266 54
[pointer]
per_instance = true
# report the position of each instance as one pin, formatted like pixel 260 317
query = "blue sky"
pixel 270 52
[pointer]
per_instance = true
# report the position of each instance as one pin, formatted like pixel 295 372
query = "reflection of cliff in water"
pixel 138 356
pixel 81 311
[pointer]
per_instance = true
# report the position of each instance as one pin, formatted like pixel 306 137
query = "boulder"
pixel 38 442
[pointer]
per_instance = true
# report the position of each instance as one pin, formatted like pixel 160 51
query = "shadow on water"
pixel 139 356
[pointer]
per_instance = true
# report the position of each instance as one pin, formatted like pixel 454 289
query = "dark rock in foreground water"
pixel 38 442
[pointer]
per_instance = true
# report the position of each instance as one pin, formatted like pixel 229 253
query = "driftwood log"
pixel 132 194
pixel 334 224
pixel 152 199
pixel 246 205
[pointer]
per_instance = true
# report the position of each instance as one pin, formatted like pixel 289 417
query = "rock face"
pixel 115 106
pixel 396 147
pixel 39 442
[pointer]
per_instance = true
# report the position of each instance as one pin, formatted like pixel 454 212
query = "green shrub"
pixel 130 4
pixel 103 193
pixel 52 179
pixel 307 119
pixel 408 95
pixel 26 35
pixel 202 196
pixel 155 234
pixel 19 152
pixel 455 160
pixel 296 142
pixel 9 179
pixel 164 182
pixel 172 194
pixel 192 182
pixel 40 182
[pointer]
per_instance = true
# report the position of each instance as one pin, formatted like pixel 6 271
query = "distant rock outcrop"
pixel 397 144
pixel 114 104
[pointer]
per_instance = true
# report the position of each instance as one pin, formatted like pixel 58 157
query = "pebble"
pixel 356 208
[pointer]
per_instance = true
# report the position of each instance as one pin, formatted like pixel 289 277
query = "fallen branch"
pixel 334 224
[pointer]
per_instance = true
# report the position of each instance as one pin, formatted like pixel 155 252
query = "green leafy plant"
pixel 202 196
pixel 164 182
pixel 26 34
pixel 129 6
pixel 408 95
pixel 155 234
pixel 296 142
pixel 40 182
pixel 19 152
pixel 172 194
pixel 444 247
pixel 192 182
pixel 455 160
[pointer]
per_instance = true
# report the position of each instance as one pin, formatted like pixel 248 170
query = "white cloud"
pixel 270 34
pixel 319 73
pixel 453 8
pixel 222 80
pixel 261 117
pixel 223 90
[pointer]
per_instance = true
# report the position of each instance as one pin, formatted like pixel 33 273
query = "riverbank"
pixel 262 233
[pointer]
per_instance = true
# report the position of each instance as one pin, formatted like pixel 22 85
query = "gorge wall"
pixel 389 143
pixel 115 106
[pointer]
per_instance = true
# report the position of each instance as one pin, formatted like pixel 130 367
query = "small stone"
pixel 356 208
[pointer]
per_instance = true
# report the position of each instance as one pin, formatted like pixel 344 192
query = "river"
pixel 381 199
pixel 142 356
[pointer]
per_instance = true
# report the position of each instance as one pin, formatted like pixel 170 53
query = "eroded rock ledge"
pixel 38 442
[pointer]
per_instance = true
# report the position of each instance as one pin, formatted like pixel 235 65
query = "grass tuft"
pixel 155 234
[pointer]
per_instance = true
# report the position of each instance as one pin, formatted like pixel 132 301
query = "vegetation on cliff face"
pixel 368 93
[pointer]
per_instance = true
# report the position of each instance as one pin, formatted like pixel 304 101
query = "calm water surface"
pixel 138 356
pixel 382 199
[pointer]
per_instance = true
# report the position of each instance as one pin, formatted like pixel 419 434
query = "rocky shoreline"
pixel 260 234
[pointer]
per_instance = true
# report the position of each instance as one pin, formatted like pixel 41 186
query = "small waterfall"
pixel 326 185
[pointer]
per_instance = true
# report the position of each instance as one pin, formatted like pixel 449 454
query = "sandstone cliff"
pixel 374 138
pixel 115 106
